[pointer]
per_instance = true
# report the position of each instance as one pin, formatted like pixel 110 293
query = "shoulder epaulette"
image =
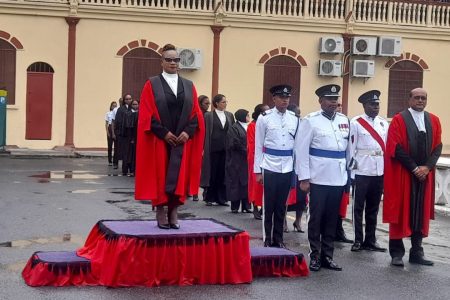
pixel 269 111
pixel 313 114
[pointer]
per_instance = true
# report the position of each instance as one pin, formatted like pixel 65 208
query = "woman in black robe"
pixel 236 175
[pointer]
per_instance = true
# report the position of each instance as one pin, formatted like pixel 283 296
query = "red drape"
pixel 131 261
pixel 279 266
pixel 255 189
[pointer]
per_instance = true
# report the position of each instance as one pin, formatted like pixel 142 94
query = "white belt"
pixel 370 152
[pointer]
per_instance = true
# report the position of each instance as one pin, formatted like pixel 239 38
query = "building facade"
pixel 63 62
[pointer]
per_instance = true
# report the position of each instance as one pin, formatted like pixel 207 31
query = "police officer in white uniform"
pixel 274 142
pixel 321 165
pixel 368 134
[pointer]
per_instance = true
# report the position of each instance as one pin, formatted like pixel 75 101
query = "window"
pixel 403 77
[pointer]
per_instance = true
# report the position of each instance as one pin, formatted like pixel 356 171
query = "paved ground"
pixel 69 195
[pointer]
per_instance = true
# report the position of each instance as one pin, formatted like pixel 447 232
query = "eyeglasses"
pixel 423 98
pixel 128 98
pixel 169 60
pixel 339 105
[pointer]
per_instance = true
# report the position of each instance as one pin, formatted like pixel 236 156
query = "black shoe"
pixel 278 245
pixel 116 166
pixel 397 261
pixel 234 211
pixel 356 247
pixel 110 164
pixel 328 263
pixel 257 214
pixel 373 247
pixel 314 264
pixel 223 204
pixel 209 204
pixel 267 243
pixel 343 239
pixel 248 211
pixel 195 198
pixel 164 226
pixel 298 228
pixel 175 226
pixel 420 260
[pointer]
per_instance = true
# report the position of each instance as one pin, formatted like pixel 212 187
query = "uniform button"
pixel 284 145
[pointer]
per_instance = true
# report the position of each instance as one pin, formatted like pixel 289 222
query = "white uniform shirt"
pixel 108 117
pixel 172 81
pixel 275 130
pixel 364 149
pixel 318 132
pixel 419 119
pixel 113 113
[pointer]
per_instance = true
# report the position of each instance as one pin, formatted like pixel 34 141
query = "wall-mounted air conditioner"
pixel 330 44
pixel 191 59
pixel 330 67
pixel 364 45
pixel 389 46
pixel 363 68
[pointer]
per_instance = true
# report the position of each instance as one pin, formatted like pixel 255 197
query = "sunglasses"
pixel 169 60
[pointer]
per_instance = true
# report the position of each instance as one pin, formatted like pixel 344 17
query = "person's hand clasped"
pixel 171 139
pixel 182 138
pixel 421 172
pixel 259 178
pixel 304 186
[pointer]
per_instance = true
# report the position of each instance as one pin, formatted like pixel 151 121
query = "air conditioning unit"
pixel 363 68
pixel 330 67
pixel 364 45
pixel 191 59
pixel 330 44
pixel 389 46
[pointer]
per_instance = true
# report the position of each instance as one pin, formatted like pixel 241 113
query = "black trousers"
pixel 397 248
pixel 110 145
pixel 276 191
pixel 368 191
pixel 124 144
pixel 324 206
pixel 216 191
pixel 242 202
pixel 116 156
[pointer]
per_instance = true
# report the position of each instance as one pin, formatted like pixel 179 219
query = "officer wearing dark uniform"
pixel 321 165
pixel 368 134
pixel 274 142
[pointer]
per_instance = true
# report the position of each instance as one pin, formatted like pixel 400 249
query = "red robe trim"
pixel 255 189
pixel 397 182
pixel 344 203
pixel 152 159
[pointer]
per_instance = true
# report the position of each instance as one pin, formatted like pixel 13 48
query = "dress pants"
pixel 397 248
pixel 368 191
pixel 276 191
pixel 110 145
pixel 324 206
pixel 217 191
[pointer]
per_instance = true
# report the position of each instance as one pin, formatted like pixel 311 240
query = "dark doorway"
pixel 403 77
pixel 39 102
pixel 8 70
pixel 139 65
pixel 282 70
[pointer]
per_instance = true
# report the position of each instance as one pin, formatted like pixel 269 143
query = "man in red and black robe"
pixel 412 150
pixel 170 141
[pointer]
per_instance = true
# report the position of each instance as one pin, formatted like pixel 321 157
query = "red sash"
pixel 372 132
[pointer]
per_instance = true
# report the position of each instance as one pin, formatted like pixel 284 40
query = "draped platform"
pixel 121 253
pixel 277 262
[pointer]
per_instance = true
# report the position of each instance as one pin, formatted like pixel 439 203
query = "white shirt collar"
pixel 171 76
pixel 244 125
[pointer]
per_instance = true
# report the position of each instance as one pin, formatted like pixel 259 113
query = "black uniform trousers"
pixel 324 206
pixel 216 191
pixel 368 191
pixel 276 191
pixel 110 145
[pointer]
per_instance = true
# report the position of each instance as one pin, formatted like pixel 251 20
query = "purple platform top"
pixel 271 251
pixel 149 228
pixel 60 257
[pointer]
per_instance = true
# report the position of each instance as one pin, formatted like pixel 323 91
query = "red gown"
pixel 397 182
pixel 152 156
pixel 255 189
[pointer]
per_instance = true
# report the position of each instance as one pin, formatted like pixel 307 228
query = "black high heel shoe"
pixel 163 226
pixel 297 228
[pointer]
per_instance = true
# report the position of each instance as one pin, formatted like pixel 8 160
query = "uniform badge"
pixel 333 89
pixel 285 90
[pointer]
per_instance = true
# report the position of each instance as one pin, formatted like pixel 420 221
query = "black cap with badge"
pixel 370 96
pixel 282 90
pixel 329 90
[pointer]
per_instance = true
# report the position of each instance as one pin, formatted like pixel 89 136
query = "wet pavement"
pixel 52 204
